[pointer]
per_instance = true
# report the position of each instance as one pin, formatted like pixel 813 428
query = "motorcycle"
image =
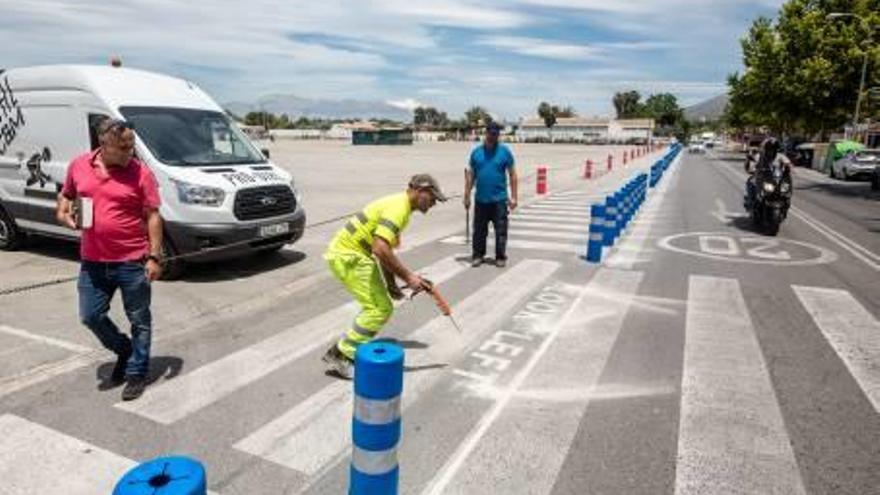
pixel 772 197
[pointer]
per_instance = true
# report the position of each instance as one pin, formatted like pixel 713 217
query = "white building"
pixel 582 130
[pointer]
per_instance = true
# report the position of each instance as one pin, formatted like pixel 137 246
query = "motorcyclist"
pixel 766 158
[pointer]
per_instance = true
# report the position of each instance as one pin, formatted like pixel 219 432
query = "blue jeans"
pixel 497 214
pixel 97 284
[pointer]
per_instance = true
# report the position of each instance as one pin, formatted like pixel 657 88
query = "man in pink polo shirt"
pixel 120 249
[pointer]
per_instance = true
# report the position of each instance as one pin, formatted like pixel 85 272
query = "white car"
pixel 857 165
pixel 697 147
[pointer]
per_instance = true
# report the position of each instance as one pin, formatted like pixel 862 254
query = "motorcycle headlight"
pixel 769 187
pixel 199 195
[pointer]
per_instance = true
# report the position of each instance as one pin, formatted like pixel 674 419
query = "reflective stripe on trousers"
pixel 362 277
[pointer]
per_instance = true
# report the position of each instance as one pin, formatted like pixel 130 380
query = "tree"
pixel 550 113
pixel 545 111
pixel 663 108
pixel 802 72
pixel 627 104
pixel 429 117
pixel 477 116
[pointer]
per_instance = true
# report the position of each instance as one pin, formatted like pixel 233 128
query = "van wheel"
pixel 171 269
pixel 10 235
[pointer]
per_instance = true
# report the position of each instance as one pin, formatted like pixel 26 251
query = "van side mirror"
pixel 265 152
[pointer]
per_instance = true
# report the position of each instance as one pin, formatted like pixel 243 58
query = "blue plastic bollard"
pixel 610 234
pixel 378 383
pixel 164 476
pixel 619 226
pixel 597 230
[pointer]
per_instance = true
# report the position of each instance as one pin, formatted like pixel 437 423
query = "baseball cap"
pixel 493 128
pixel 425 181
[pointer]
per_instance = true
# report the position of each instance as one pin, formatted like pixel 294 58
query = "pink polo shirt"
pixel 119 231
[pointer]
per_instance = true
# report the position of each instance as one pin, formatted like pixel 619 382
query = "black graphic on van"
pixel 11 117
pixel 35 168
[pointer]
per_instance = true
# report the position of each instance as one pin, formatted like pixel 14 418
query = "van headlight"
pixel 199 195
pixel 296 193
pixel 769 187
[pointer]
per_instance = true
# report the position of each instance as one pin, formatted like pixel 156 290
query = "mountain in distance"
pixel 707 111
pixel 296 107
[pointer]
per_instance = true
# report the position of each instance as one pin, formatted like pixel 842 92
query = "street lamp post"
pixel 840 15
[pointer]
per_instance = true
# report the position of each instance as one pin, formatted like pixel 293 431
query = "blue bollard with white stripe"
pixel 378 383
pixel 618 221
pixel 164 476
pixel 597 230
pixel 610 234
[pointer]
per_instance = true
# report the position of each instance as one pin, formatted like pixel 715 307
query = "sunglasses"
pixel 118 126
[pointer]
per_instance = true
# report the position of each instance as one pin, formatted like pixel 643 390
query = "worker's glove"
pixel 395 292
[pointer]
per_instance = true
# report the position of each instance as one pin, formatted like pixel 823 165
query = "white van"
pixel 221 197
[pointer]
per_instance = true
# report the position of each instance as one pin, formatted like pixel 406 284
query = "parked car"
pixel 856 165
pixel 875 180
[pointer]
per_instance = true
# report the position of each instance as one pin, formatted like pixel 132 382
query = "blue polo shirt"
pixel 490 172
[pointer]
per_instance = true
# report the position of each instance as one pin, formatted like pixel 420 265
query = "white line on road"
pixel 573 362
pixel 36 459
pixel 175 399
pixel 852 331
pixel 550 209
pixel 869 258
pixel 312 437
pixel 577 219
pixel 575 236
pixel 70 346
pixel 529 245
pixel 732 438
pixel 550 226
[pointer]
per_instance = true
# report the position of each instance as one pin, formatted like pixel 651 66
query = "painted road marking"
pixel 311 438
pixel 752 249
pixel 175 399
pixel 550 234
pixel 732 438
pixel 546 400
pixel 528 245
pixel 852 331
pixel 36 459
pixel 549 226
pixel 63 344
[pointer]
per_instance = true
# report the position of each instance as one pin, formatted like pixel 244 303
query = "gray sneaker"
pixel 501 263
pixel 476 262
pixel 339 363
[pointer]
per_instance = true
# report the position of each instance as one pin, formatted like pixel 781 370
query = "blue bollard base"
pixel 366 484
pixel 164 476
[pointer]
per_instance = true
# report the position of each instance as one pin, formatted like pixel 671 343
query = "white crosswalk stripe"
pixel 550 226
pixel 310 437
pixel 852 331
pixel 571 367
pixel 732 438
pixel 36 459
pixel 514 243
pixel 175 399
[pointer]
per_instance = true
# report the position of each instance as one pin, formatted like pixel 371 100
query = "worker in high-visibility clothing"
pixel 362 257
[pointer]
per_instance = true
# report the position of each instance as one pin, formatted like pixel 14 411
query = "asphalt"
pixel 569 378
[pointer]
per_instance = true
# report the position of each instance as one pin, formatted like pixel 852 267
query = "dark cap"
pixel 493 128
pixel 425 181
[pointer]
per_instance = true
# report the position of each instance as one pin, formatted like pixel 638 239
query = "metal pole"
pixel 861 90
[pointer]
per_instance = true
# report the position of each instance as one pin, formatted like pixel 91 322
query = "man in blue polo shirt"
pixel 491 164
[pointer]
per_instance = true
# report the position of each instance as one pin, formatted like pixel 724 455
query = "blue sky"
pixel 506 55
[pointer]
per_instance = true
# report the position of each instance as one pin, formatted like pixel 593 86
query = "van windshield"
pixel 188 137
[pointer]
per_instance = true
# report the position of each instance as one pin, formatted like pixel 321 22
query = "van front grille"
pixel 264 202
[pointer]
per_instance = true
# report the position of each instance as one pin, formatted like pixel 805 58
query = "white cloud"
pixel 537 47
pixel 407 104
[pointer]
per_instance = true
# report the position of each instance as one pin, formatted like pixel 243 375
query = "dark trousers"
pixel 497 214
pixel 97 284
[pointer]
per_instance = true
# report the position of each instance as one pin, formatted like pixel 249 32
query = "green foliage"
pixel 550 113
pixel 477 117
pixel 430 117
pixel 802 72
pixel 627 104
